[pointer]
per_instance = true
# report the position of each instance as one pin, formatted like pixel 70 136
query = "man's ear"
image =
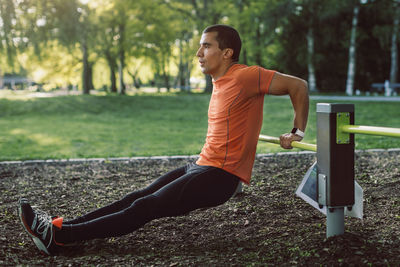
pixel 228 53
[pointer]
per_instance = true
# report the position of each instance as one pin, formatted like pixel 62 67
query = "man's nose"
pixel 199 52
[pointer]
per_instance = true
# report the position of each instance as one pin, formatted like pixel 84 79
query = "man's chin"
pixel 204 71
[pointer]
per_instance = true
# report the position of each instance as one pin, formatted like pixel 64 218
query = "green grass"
pixel 145 125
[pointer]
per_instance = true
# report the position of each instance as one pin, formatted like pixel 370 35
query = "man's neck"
pixel 216 77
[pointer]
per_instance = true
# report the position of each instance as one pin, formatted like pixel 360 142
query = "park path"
pixel 357 98
pixel 313 97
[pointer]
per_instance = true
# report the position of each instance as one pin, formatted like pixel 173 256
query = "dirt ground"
pixel 265 225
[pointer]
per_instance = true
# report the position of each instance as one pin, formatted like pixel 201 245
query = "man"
pixel 234 123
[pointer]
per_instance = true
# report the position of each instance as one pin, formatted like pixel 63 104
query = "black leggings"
pixel 175 193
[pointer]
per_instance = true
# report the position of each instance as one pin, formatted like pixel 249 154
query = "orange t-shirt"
pixel 235 117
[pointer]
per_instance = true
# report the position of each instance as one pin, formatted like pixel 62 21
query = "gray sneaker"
pixel 39 226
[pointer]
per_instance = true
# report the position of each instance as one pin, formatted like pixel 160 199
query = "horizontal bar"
pixel 371 130
pixel 275 140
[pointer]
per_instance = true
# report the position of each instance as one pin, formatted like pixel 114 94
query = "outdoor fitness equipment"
pixel 333 189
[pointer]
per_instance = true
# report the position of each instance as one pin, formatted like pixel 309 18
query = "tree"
pixel 112 22
pixel 306 38
pixel 106 45
pixel 313 11
pixel 160 31
pixel 319 21
pixel 85 35
pixel 7 13
pixel 23 24
pixel 7 31
pixel 187 49
pixel 202 13
pixel 295 37
pixel 269 17
pixel 395 32
pixel 70 23
pixel 352 51
pixel 121 19
pixel 312 82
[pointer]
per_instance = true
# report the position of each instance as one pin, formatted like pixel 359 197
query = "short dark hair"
pixel 227 37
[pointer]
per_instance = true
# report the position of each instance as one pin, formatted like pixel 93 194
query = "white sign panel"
pixel 307 190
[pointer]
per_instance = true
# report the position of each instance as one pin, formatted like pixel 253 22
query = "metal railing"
pixel 335 184
pixel 275 140
pixel 371 130
pixel 355 129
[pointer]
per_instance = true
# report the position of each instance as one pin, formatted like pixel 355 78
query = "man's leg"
pixel 42 227
pixel 207 189
pixel 130 198
pixel 202 187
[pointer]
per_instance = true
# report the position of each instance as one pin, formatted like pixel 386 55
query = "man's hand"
pixel 287 138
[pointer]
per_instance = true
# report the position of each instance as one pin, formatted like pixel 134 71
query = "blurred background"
pixel 122 46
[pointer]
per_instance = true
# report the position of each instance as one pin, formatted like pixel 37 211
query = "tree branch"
pixel 174 8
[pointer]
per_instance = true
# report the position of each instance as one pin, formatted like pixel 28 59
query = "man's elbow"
pixel 303 86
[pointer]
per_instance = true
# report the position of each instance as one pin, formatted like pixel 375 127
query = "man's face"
pixel 209 54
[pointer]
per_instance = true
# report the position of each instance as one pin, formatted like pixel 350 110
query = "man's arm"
pixel 297 89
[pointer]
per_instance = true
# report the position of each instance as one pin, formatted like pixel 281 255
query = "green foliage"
pixel 7 46
pixel 146 125
pixel 165 34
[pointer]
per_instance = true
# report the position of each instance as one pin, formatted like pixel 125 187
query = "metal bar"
pixel 275 140
pixel 334 221
pixel 372 130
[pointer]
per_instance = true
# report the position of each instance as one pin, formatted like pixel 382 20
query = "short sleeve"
pixel 265 78
pixel 255 79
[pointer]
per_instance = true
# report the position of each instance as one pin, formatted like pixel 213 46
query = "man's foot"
pixel 40 226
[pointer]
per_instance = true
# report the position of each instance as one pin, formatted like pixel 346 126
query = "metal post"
pixel 334 221
pixel 335 163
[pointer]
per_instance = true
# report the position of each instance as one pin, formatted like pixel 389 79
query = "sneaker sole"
pixel 39 244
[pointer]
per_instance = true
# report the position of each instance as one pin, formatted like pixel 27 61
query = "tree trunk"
pixel 352 53
pixel 91 85
pixel 312 84
pixel 187 77
pixel 113 66
pixel 181 70
pixel 394 54
pixel 243 54
pixel 165 73
pixel 166 81
pixel 1 79
pixel 258 54
pixel 121 76
pixel 157 76
pixel 135 79
pixel 209 85
pixel 86 70
pixel 121 64
pixel 113 78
